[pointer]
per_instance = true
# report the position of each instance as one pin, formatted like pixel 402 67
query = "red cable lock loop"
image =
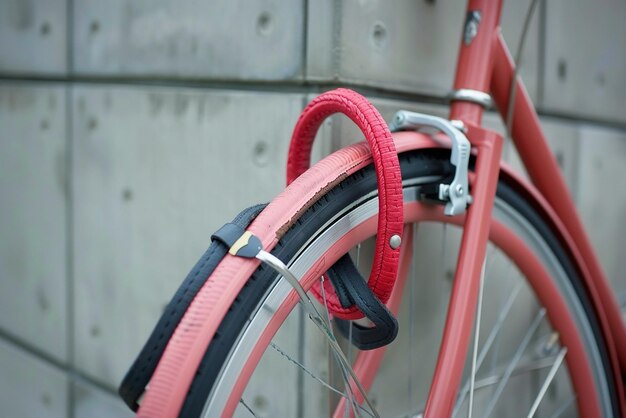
pixel 390 219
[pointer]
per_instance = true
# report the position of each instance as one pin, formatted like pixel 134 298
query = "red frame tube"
pixel 485 65
pixel 544 171
pixel 545 174
pixel 460 316
pixel 475 61
pixel 474 69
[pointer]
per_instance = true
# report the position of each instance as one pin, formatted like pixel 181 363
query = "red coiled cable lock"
pixel 390 219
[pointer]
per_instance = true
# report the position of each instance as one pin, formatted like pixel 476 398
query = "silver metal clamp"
pixel 456 193
pixel 472 96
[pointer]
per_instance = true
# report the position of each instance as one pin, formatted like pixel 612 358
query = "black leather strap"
pixel 228 234
pixel 139 374
pixel 352 289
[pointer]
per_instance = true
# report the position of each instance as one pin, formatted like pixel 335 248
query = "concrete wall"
pixel 131 129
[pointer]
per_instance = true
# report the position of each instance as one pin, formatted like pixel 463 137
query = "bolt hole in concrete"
pixel 45 28
pixel 261 153
pixel 562 69
pixel 261 405
pixel 94 27
pixel 264 24
pixel 597 163
pixel 42 300
pixel 560 158
pixel 95 331
pixel 92 124
pixel 127 195
pixel 379 35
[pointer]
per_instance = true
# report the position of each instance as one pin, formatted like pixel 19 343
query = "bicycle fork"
pixel 465 292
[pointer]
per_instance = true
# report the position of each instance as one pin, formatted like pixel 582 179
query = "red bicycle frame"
pixel 485 65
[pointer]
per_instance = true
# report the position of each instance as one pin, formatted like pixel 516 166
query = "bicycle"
pixel 275 265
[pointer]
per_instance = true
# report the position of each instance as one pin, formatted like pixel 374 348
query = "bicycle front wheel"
pixel 537 348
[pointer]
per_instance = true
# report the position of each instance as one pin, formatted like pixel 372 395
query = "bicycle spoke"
pixel 349 393
pixel 546 383
pixel 518 355
pixel 304 369
pixel 489 342
pixel 326 304
pixel 350 348
pixel 563 407
pixel 476 336
pixel 412 280
pixel 241 401
pixel 349 357
pixel 315 316
pixel 313 375
pixel 489 381
pixel 499 322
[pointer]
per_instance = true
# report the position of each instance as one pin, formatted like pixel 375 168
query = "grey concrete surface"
pixel 131 130
pixel 189 39
pixel 30 387
pixel 33 37
pixel 585 61
pixel 34 160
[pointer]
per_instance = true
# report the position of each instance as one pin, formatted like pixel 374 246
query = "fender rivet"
pixel 395 241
